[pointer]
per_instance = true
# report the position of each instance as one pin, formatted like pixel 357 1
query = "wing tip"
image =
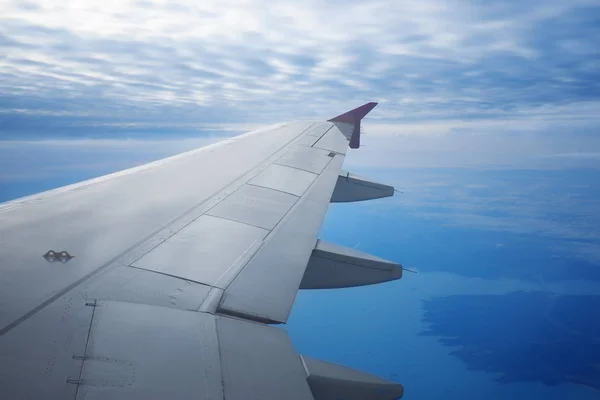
pixel 354 117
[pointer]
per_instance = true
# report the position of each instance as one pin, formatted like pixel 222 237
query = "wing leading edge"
pixel 176 275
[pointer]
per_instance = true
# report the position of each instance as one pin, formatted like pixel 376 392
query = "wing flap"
pixel 266 287
pixel 204 250
pixel 259 362
pixel 138 351
pixel 159 352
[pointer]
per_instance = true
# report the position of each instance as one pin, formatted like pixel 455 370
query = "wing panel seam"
pixel 235 220
pixel 275 190
pixel 87 342
pixel 298 168
pixel 321 137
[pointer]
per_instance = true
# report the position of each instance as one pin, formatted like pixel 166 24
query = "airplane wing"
pixel 164 280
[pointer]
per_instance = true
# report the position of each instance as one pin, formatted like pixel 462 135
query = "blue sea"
pixel 503 301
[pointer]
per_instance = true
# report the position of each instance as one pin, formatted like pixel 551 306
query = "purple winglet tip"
pixel 354 117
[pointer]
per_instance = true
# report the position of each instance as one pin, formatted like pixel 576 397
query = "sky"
pixel 460 83
pixel 488 122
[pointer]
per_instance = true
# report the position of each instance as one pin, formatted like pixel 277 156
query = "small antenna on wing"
pixel 398 191
pixel 409 270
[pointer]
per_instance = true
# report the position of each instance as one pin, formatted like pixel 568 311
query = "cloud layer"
pixel 435 66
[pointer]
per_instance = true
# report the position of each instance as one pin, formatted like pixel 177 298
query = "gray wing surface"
pixel 162 281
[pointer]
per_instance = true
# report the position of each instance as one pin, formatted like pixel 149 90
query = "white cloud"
pixel 180 144
pixel 459 82
pixel 258 56
pixel 533 137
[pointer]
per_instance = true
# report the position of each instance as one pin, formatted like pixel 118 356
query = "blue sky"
pixel 460 83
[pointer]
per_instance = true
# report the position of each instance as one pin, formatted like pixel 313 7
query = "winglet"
pixel 353 117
